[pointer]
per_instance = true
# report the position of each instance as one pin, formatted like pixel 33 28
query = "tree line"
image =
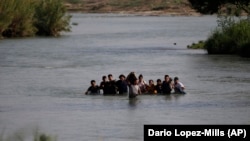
pixel 21 18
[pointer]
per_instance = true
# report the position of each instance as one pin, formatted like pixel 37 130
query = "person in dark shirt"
pixel 112 89
pixel 167 85
pixel 104 85
pixel 158 86
pixel 122 85
pixel 93 89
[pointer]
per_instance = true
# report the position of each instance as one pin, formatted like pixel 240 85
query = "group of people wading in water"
pixel 133 86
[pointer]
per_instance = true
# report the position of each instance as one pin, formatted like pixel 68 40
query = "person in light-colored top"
pixel 178 86
pixel 142 84
pixel 134 89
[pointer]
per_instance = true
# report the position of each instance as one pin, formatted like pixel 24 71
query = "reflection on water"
pixel 43 80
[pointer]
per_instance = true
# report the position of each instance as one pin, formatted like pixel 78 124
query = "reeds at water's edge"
pixel 27 133
pixel 21 18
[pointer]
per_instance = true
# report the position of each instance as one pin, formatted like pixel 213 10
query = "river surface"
pixel 43 80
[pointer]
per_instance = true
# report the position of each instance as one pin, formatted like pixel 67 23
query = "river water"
pixel 42 80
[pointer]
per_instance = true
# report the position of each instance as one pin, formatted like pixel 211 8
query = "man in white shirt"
pixel 178 86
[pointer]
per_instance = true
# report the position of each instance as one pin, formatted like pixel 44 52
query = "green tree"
pixel 213 6
pixel 231 36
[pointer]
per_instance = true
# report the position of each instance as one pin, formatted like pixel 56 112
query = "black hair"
pixel 122 76
pixel 176 78
pixel 141 76
pixel 166 76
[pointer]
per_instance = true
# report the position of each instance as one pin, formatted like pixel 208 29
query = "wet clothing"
pixel 111 87
pixel 122 86
pixel 93 90
pixel 178 88
pixel 158 88
pixel 142 86
pixel 166 88
pixel 104 87
pixel 134 90
pixel 151 89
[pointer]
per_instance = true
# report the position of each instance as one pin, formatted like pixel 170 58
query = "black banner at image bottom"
pixel 197 132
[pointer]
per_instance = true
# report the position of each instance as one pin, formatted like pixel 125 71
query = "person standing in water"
pixel 104 85
pixel 151 87
pixel 93 89
pixel 178 86
pixel 112 89
pixel 167 85
pixel 158 86
pixel 142 84
pixel 122 85
pixel 134 89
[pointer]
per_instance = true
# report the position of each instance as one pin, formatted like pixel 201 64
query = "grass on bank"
pixel 20 18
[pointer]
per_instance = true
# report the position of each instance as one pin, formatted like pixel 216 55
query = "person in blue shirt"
pixel 112 89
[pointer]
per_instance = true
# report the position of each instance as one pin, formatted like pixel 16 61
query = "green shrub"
pixel 19 18
pixel 6 15
pixel 199 45
pixel 16 18
pixel 43 137
pixel 230 37
pixel 25 134
pixel 50 17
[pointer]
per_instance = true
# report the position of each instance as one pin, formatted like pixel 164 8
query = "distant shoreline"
pixel 144 8
pixel 137 13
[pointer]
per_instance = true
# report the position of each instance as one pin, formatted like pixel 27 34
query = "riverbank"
pixel 138 7
pixel 43 79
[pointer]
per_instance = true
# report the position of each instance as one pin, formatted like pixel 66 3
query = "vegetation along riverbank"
pixel 20 18
pixel 50 18
pixel 232 36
